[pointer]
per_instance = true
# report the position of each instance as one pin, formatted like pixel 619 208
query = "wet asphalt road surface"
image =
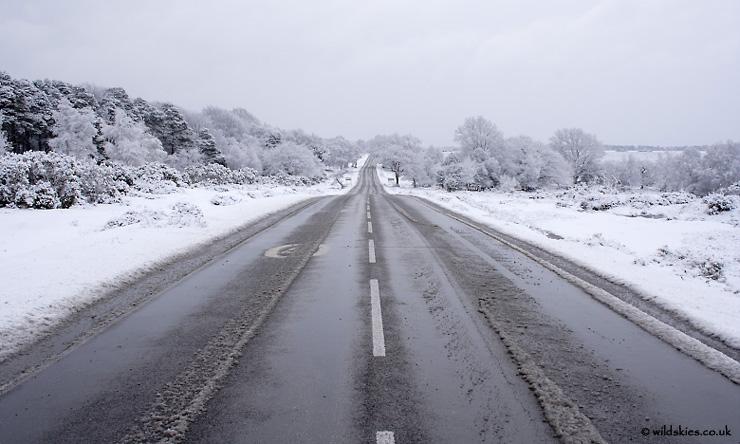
pixel 368 318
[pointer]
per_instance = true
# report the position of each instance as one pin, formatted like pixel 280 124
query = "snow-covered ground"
pixel 54 261
pixel 666 246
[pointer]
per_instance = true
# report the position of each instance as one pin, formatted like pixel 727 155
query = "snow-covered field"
pixel 668 247
pixel 54 261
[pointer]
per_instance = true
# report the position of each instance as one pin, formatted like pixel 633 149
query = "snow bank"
pixel 53 262
pixel 673 249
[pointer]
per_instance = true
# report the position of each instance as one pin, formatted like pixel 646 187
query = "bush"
pixel 699 263
pixel 719 203
pixel 38 180
pixel 158 178
pixel 711 269
pixel 50 180
pixel 182 214
pixel 224 200
pixel 600 203
pixel 215 174
pixel 282 179
pixel 105 183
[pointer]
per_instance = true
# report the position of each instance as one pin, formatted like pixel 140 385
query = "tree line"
pixel 105 124
pixel 571 157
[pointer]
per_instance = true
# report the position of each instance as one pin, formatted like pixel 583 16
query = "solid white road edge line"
pixel 377 320
pixel 370 227
pixel 371 249
pixel 384 438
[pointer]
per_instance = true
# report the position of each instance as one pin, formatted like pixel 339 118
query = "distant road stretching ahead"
pixel 368 318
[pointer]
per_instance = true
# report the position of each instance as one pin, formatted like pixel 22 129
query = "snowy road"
pixel 371 318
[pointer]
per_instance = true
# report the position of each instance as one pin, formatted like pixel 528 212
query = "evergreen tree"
pixel 207 146
pixel 27 122
pixel 4 145
pixel 176 133
pixel 115 100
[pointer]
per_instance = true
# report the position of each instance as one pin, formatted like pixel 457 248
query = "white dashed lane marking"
pixel 384 438
pixel 371 249
pixel 377 320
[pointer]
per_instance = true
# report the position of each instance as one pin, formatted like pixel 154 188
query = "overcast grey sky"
pixel 660 72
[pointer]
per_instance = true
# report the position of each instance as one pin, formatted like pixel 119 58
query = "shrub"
pixel 105 183
pixel 50 180
pixel 719 203
pixel 215 174
pixel 287 180
pixel 158 178
pixel 600 203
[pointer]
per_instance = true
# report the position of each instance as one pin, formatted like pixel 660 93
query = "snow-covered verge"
pixel 53 262
pixel 675 249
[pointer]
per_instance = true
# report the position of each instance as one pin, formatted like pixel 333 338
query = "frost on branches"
pixel 106 125
pixel 50 180
pixel 128 142
pixel 74 131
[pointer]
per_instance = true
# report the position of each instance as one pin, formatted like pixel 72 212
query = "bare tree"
pixel 399 154
pixel 580 150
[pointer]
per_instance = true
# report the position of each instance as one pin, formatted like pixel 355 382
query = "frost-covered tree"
pixel 228 122
pixel 396 160
pixel 185 158
pixel 456 173
pixel 581 150
pixel 206 144
pixel 239 136
pixel 479 138
pixel 425 171
pixel 28 115
pixel 720 167
pixel 74 131
pixel 682 172
pixel 77 96
pixel 399 154
pixel 128 142
pixel 340 152
pixel 239 154
pixel 115 100
pixel 631 173
pixel 168 125
pixel 482 142
pixel 312 141
pixel 291 159
pixel 176 133
pixel 4 145
pixel 533 164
